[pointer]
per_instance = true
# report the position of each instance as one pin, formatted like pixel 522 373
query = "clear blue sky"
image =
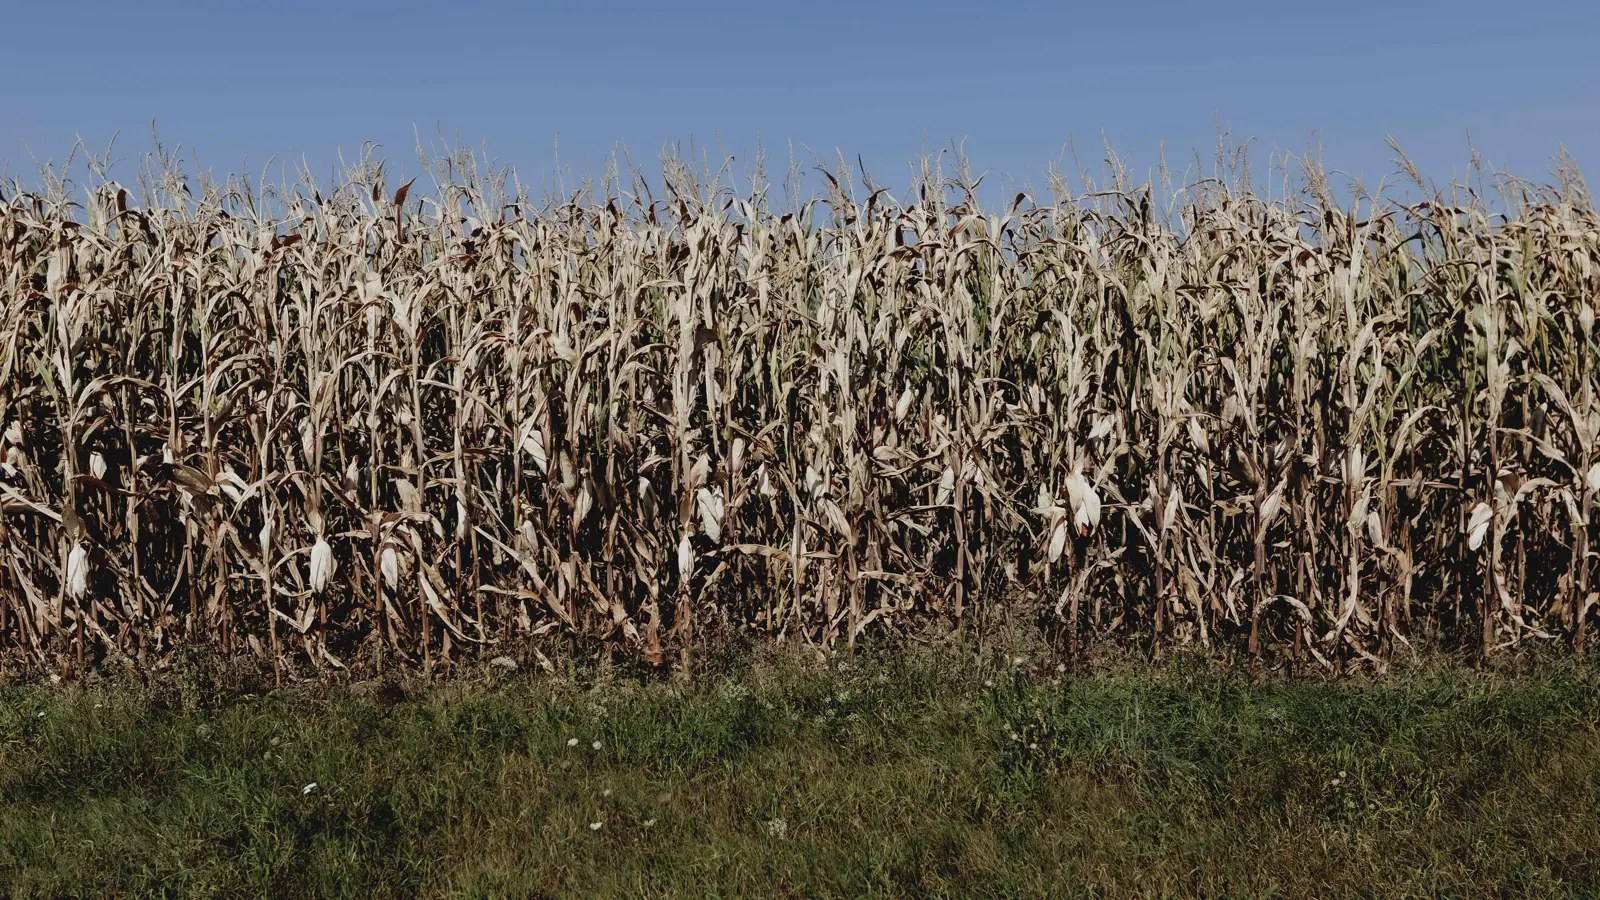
pixel 237 81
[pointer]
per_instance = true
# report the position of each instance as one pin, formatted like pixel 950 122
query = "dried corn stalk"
pixel 361 424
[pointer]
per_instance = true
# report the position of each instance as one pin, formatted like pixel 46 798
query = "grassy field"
pixel 785 780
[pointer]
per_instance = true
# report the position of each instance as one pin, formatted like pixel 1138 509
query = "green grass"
pixel 890 780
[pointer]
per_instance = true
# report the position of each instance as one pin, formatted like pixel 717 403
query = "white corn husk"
pixel 1085 502
pixel 1058 538
pixel 78 572
pixel 1102 427
pixel 685 559
pixel 903 405
pixel 1478 526
pixel 1087 518
pixel 321 566
pixel 712 509
pixel 389 564
pixel 947 487
pixel 231 484
pixel 533 444
pixel 1197 435
pixel 813 480
pixel 584 504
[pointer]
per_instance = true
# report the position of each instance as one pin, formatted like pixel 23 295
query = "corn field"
pixel 370 425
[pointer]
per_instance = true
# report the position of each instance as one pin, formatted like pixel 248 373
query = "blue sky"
pixel 237 82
